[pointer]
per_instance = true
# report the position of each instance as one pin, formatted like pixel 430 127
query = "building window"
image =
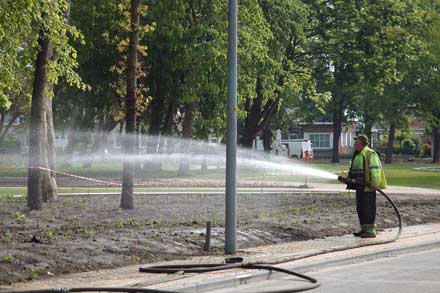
pixel 320 140
pixel 293 136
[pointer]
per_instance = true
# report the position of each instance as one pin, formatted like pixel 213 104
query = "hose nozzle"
pixel 352 183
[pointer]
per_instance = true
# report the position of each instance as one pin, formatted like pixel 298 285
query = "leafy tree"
pixel 17 44
pixel 16 57
pixel 365 43
pixel 425 76
pixel 257 71
pixel 130 107
pixel 296 50
pixel 19 99
pixel 100 108
pixel 28 30
pixel 55 58
pixel 186 65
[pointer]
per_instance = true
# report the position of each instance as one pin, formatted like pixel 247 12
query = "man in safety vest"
pixel 367 169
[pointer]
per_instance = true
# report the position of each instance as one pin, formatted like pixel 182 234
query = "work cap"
pixel 362 138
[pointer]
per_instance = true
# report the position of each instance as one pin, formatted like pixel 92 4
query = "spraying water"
pixel 171 151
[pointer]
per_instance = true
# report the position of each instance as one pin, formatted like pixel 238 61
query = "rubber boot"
pixel 367 231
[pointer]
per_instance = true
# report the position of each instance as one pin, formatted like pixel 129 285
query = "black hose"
pixel 348 247
pixel 115 289
pixel 203 268
pixel 92 289
pixel 197 268
pixel 315 283
pixel 399 217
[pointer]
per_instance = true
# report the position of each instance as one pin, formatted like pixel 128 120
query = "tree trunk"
pixel 72 141
pixel 38 128
pixel 105 126
pixel 49 185
pixel 138 163
pixel 267 139
pixel 253 115
pixel 185 167
pixel 2 118
pixel 368 128
pixel 130 108
pixel 168 124
pixel 156 117
pixel 5 130
pixel 156 111
pixel 156 107
pixel 436 145
pixel 259 116
pixel 337 130
pixel 390 145
pixel 169 119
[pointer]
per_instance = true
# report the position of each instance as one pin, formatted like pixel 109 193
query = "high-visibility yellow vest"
pixel 366 165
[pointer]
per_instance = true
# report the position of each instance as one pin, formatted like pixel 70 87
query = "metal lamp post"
pixel 231 147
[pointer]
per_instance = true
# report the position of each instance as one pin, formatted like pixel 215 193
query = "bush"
pixel 408 147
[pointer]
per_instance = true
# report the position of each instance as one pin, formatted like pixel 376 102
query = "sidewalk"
pixel 298 255
pixel 326 187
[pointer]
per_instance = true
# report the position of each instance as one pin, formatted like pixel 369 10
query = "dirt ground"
pixel 81 233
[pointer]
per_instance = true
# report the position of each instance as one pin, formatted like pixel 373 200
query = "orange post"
pixel 306 160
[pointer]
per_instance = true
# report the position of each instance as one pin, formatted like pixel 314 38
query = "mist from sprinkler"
pixel 172 150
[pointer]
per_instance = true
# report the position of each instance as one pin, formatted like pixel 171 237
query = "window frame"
pixel 314 145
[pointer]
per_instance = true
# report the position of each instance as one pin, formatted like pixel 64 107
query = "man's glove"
pixel 356 184
pixel 351 185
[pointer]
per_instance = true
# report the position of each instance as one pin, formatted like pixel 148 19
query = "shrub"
pixel 408 147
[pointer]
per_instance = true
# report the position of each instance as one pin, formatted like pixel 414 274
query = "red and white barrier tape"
pixel 77 176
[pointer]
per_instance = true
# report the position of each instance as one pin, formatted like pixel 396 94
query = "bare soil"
pixel 81 233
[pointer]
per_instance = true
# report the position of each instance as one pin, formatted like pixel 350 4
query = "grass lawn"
pixel 405 175
pixel 12 191
pixel 398 174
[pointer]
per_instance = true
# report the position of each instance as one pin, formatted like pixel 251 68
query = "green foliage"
pixel 50 235
pixel 6 237
pixel 7 258
pixel 254 36
pixel 21 23
pixel 408 147
pixel 187 59
pixel 377 60
pixel 17 45
pixel 424 79
pixel 21 218
pixel 97 54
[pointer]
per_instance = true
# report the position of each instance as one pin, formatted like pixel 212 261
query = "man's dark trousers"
pixel 366 207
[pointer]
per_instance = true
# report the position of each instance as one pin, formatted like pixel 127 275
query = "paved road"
pixel 418 272
pixel 415 272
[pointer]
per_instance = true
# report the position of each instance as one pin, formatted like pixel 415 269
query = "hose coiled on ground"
pixel 202 268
